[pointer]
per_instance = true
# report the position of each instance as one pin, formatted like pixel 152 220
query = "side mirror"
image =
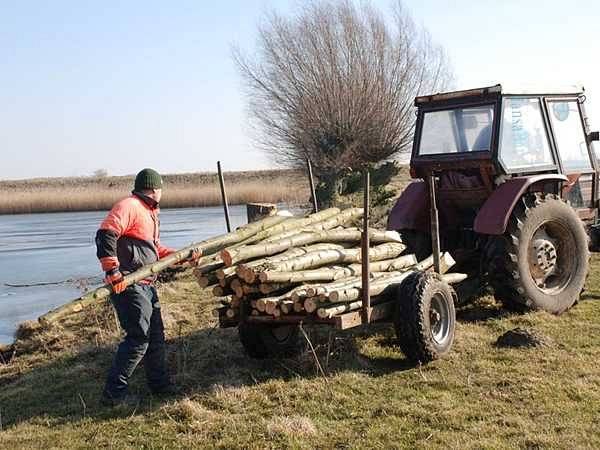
pixel 594 136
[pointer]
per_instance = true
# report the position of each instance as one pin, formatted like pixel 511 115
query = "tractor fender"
pixel 493 216
pixel 411 211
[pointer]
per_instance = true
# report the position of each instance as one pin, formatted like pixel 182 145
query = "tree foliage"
pixel 335 82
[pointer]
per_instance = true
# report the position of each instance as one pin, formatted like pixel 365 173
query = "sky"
pixel 88 85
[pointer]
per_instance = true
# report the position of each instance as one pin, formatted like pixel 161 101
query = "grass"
pixel 481 396
pixel 183 190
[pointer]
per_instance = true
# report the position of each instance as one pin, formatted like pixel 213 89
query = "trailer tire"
pixel 425 318
pixel 542 261
pixel 270 341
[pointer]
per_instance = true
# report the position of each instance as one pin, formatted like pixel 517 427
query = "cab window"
pixel 457 130
pixel 523 138
pixel 569 136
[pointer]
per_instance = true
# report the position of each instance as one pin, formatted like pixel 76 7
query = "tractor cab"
pixel 481 156
pixel 503 133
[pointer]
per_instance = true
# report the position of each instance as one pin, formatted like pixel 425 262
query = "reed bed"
pixel 181 191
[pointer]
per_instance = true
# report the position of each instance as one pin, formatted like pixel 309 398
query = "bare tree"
pixel 336 83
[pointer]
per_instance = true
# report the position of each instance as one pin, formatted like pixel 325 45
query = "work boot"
pixel 166 390
pixel 123 400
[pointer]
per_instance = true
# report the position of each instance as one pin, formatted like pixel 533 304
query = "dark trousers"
pixel 138 310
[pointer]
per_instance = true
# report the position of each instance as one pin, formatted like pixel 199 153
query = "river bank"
pixel 190 190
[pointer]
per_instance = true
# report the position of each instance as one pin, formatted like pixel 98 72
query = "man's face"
pixel 157 195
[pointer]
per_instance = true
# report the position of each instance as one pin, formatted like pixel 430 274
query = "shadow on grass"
pixel 67 389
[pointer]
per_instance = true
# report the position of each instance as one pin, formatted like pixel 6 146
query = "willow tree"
pixel 335 82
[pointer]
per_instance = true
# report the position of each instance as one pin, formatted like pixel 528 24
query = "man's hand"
pixel 195 256
pixel 116 280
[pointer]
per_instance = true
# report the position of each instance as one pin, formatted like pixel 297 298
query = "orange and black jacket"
pixel 129 236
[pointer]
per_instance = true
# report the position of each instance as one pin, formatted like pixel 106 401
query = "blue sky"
pixel 87 85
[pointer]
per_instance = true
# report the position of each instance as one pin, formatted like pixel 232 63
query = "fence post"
pixel 312 186
pixel 224 197
pixel 364 254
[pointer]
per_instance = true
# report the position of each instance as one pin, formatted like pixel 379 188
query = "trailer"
pixel 421 308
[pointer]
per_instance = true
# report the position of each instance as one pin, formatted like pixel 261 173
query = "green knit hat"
pixel 148 179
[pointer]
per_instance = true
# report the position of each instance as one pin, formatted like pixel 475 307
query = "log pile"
pixel 308 267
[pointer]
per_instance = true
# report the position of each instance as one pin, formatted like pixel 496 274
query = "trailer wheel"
pixel 425 319
pixel 270 341
pixel 543 260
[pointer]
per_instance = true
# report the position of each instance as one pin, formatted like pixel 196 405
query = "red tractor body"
pixel 489 156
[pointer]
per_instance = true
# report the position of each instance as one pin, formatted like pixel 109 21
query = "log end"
pixel 310 305
pixel 218 291
pixel 261 305
pixel 203 282
pixel 227 257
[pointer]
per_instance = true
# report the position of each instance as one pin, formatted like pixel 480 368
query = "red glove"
pixel 116 280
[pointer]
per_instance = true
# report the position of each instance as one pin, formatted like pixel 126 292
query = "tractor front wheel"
pixel 543 260
pixel 425 318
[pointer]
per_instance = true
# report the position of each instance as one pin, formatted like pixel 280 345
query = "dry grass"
pixel 481 396
pixel 185 190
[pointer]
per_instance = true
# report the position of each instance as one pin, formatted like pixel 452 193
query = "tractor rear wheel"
pixel 270 341
pixel 543 260
pixel 425 318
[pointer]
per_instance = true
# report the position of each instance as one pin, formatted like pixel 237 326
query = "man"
pixel 128 239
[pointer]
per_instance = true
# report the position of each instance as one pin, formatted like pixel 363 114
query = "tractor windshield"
pixel 457 130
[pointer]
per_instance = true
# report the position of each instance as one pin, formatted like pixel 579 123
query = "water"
pixel 38 248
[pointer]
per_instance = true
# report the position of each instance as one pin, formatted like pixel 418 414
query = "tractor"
pixel 506 180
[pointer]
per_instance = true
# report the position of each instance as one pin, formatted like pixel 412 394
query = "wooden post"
pixel 312 186
pixel 366 296
pixel 224 197
pixel 435 226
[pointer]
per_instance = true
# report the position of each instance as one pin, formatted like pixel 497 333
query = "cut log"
pixel 206 279
pixel 322 274
pixel 388 265
pixel 269 288
pixel 336 272
pixel 219 291
pixel 231 257
pixel 453 278
pixel 377 287
pixel 353 255
pixel 331 223
pixel 287 306
pixel 291 224
pixel 336 310
pixel 248 270
pixel 248 289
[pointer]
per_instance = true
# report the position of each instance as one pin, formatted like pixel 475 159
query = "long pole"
pixel 366 296
pixel 224 197
pixel 312 186
pixel 435 226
